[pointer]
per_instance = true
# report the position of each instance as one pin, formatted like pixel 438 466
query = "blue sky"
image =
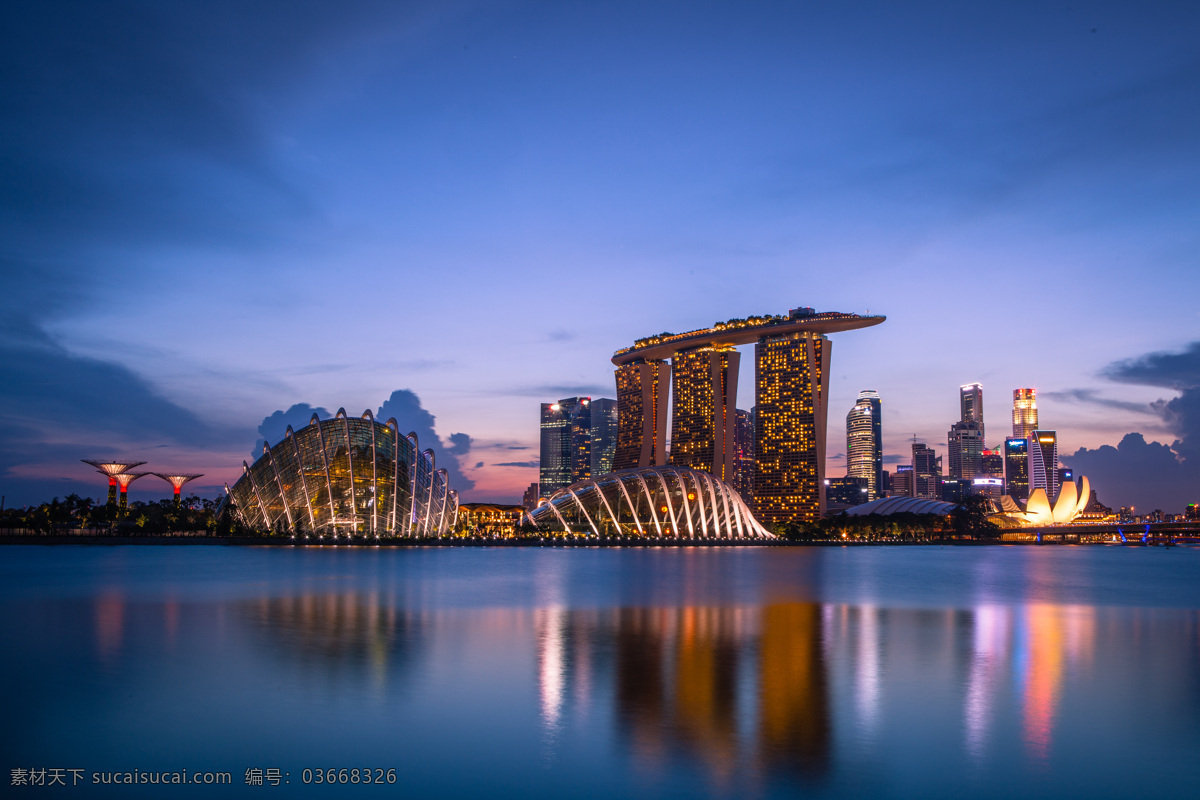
pixel 215 212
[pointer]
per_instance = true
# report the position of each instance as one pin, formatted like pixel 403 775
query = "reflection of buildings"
pixel 794 720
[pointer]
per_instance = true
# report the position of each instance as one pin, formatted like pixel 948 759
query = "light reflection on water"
pixel 638 673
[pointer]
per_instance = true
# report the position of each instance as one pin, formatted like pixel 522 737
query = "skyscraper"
pixel 791 413
pixel 927 473
pixel 864 442
pixel 1024 413
pixel 965 442
pixel 565 444
pixel 704 410
pixel 604 435
pixel 1016 468
pixel 743 475
pixel 1043 462
pixel 643 387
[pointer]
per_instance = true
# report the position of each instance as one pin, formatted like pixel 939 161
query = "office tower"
pixel 885 486
pixel 704 410
pixel 902 481
pixel 604 435
pixel 791 374
pixel 847 492
pixel 565 444
pixel 970 401
pixel 743 475
pixel 965 450
pixel 1043 462
pixel 927 472
pixel 643 387
pixel 1016 468
pixel 1024 413
pixel 954 490
pixel 991 464
pixel 864 442
pixel 1065 475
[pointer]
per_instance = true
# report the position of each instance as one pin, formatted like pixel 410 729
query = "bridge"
pixel 1127 533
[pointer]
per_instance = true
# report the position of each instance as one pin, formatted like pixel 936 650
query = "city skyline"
pixel 194 221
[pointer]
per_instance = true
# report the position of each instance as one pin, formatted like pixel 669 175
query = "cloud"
pixel 1145 474
pixel 274 428
pixel 478 464
pixel 523 464
pixel 1091 397
pixel 405 406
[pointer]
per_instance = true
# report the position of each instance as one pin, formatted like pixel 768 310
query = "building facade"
pixel 1024 413
pixel 743 475
pixel 604 435
pixel 864 442
pixel 791 412
pixel 565 449
pixel 1043 462
pixel 1016 468
pixel 927 472
pixel 704 410
pixel 643 389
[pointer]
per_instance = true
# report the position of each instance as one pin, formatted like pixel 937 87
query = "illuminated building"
pixel 346 475
pixel 927 473
pixel 178 480
pixel 123 480
pixel 566 435
pixel 655 501
pixel 111 469
pixel 902 481
pixel 970 401
pixel 1043 462
pixel 864 442
pixel 992 488
pixel 991 463
pixel 955 490
pixel 846 492
pixel 791 411
pixel 791 367
pixel 643 389
pixel 604 435
pixel 530 499
pixel 964 446
pixel 743 474
pixel 489 519
pixel 704 410
pixel 1024 413
pixel 1016 468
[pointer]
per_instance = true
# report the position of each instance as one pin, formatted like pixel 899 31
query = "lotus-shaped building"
pixel 346 476
pixel 1071 501
pixel 666 502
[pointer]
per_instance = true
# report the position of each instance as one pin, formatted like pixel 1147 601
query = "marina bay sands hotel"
pixel 791 380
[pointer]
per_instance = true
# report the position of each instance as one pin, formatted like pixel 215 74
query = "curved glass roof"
pixel 902 505
pixel 673 502
pixel 345 475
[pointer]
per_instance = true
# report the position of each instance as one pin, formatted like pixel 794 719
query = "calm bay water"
pixel 817 672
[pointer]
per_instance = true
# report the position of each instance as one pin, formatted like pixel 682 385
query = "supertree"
pixel 112 469
pixel 178 480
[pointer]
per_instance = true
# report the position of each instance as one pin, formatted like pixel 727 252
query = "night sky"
pixel 218 217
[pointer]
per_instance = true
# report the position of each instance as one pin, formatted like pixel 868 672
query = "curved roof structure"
pixel 345 475
pixel 741 331
pixel 673 502
pixel 902 505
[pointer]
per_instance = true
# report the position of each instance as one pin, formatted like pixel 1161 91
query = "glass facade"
pixel 668 502
pixel 642 390
pixel 1016 468
pixel 1024 413
pixel 864 442
pixel 343 475
pixel 604 435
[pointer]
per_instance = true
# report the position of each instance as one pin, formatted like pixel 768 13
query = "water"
pixel 816 672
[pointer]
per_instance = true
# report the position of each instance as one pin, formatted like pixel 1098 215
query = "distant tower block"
pixel 177 481
pixel 112 469
pixel 123 480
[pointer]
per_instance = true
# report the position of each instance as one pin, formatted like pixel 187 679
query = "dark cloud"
pixel 1145 474
pixel 405 406
pixel 1091 397
pixel 478 464
pixel 895 459
pixel 524 464
pixel 274 428
pixel 57 407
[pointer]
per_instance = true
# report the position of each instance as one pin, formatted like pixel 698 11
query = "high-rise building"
pixel 846 492
pixel 743 475
pixel 791 364
pixel 704 410
pixel 1043 462
pixel 643 387
pixel 1016 468
pixel 965 442
pixel 604 435
pixel 970 401
pixel 530 499
pixel 927 472
pixel 1024 413
pixel 565 444
pixel 791 411
pixel 991 464
pixel 902 481
pixel 864 442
